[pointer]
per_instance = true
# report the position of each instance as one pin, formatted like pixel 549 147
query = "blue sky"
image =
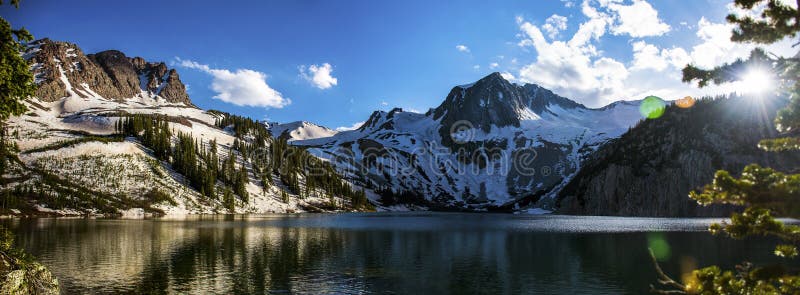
pixel 386 54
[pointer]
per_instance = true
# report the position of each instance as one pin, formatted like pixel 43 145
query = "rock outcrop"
pixel 62 69
pixel 651 169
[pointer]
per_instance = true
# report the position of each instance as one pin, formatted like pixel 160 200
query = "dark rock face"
pixel 174 91
pixel 109 74
pixel 50 58
pixel 650 170
pixel 539 98
pixel 120 69
pixel 491 101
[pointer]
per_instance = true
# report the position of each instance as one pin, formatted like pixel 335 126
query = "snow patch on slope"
pixel 300 130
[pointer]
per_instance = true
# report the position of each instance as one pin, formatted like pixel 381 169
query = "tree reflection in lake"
pixel 367 253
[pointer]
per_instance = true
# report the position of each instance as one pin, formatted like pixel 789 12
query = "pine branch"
pixel 664 279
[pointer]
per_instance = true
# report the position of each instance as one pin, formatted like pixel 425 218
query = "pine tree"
pixel 5 151
pixel 228 200
pixel 284 196
pixel 16 84
pixel 240 184
pixel 764 192
pixel 16 79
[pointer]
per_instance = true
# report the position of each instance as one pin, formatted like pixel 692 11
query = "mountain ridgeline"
pixel 494 102
pixel 109 74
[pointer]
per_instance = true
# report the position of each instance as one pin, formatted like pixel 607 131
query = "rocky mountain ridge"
pixel 61 68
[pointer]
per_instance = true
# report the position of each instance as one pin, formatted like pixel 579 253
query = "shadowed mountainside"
pixel 650 170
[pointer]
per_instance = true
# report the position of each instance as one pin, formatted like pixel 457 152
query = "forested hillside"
pixel 109 134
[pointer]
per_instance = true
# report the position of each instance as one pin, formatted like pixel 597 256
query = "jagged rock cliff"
pixel 61 67
pixel 650 170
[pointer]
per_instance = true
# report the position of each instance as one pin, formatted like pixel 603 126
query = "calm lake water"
pixel 408 253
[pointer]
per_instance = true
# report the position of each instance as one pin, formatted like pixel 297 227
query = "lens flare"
pixel 685 103
pixel 658 244
pixel 756 81
pixel 652 107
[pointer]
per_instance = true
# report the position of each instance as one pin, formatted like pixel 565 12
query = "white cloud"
pixel 576 69
pixel 384 103
pixel 648 56
pixel 554 25
pixel 242 87
pixel 476 67
pixel 462 48
pixel 351 127
pixel 639 19
pixel 319 75
pixel 592 29
pixel 508 76
pixel 493 65
pixel 573 68
pixel 714 48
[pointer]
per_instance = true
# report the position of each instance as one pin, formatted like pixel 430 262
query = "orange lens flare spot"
pixel 686 102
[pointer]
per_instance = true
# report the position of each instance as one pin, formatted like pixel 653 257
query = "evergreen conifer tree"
pixel 764 192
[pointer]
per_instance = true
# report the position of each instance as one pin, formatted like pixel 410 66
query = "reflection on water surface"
pixel 411 253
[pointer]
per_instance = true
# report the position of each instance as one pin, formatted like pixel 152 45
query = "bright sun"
pixel 756 81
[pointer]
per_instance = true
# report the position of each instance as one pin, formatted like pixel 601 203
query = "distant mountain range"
pixel 490 145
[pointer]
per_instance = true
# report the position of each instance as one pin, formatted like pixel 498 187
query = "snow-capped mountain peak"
pixel 493 100
pixel 489 144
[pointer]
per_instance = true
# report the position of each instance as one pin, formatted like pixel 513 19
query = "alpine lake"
pixel 376 253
